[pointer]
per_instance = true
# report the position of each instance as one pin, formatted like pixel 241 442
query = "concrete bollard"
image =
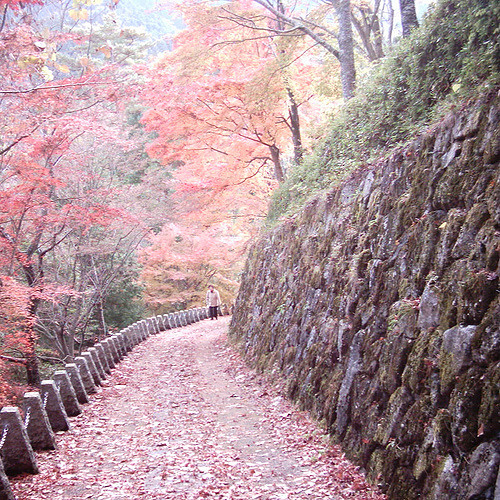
pixel 95 357
pixel 173 320
pixel 77 382
pixel 86 374
pixel 67 393
pixel 6 492
pixel 17 453
pixel 106 346
pixel 103 359
pixel 54 406
pixel 92 367
pixel 37 423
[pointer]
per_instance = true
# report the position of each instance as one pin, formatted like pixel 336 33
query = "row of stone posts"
pixel 46 412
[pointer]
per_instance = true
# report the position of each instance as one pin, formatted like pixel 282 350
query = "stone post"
pixel 118 343
pixel 67 393
pixel 54 406
pixel 77 382
pixel 95 357
pixel 37 423
pixel 101 354
pixel 166 322
pixel 92 367
pixel 161 326
pixel 5 489
pixel 114 349
pixel 86 374
pixel 17 453
pixel 110 358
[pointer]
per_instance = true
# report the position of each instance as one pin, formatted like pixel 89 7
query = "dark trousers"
pixel 212 312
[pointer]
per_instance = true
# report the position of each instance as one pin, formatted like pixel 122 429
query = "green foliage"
pixel 123 305
pixel 453 54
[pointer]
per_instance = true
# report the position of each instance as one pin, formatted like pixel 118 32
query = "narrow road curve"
pixel 183 418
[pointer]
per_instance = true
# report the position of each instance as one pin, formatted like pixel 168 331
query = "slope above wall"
pixel 379 305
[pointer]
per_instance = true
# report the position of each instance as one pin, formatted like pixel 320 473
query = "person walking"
pixel 213 302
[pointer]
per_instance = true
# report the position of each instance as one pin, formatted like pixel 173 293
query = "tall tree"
pixel 409 19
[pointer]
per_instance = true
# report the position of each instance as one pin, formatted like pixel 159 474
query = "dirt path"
pixel 181 417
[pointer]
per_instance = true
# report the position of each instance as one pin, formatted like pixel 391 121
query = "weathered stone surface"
pixel 67 393
pixel 17 453
pixel 86 374
pixel 37 423
pixel 109 352
pixel 97 362
pixel 379 304
pixel 77 382
pixel 5 489
pixel 92 367
pixel 54 406
pixel 103 358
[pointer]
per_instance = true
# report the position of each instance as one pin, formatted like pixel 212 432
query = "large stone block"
pixel 67 393
pixel 17 453
pixel 77 382
pixel 37 423
pixel 54 406
pixel 86 374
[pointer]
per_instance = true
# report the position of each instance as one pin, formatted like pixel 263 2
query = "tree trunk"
pixel 278 169
pixel 295 128
pixel 408 16
pixel 346 49
pixel 32 370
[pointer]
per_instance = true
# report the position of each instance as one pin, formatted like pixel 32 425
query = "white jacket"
pixel 213 298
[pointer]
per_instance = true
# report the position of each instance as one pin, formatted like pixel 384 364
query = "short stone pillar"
pixel 121 344
pixel 77 382
pixel 196 314
pixel 5 489
pixel 143 330
pixel 166 322
pixel 95 357
pixel 183 316
pixel 113 349
pixel 67 393
pixel 103 359
pixel 37 423
pixel 86 374
pixel 173 320
pixel 159 321
pixel 17 453
pixel 54 407
pixel 108 353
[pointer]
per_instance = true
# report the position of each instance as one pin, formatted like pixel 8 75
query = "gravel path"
pixel 182 417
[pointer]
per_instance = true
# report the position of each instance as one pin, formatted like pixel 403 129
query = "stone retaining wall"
pixel 379 306
pixel 46 412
